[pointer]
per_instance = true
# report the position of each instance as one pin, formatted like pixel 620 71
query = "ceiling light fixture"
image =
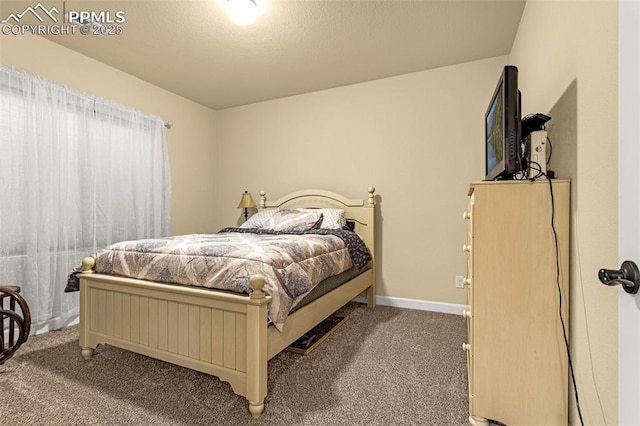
pixel 242 12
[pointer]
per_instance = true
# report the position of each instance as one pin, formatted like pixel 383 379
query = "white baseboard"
pixel 421 305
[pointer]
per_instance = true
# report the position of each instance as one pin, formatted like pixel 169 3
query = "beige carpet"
pixel 383 366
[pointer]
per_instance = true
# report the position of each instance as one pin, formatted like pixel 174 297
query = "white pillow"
pixel 293 220
pixel 332 218
pixel 258 219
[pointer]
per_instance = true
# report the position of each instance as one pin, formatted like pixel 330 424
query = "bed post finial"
pixel 87 265
pixel 263 199
pixel 371 201
pixel 257 283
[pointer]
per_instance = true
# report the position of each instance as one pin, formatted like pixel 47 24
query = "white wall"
pixel 418 138
pixel 567 55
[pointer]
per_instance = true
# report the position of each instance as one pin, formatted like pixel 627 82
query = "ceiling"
pixel 192 49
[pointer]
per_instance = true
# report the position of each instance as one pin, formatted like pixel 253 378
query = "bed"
pixel 220 333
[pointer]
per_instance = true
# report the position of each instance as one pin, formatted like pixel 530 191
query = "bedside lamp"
pixel 246 202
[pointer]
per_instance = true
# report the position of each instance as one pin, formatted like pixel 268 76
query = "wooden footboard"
pixel 217 333
pixel 222 334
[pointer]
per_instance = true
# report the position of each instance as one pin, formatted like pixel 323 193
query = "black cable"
pixel 564 328
pixel 532 165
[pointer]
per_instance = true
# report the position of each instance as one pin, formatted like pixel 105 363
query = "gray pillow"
pixel 294 220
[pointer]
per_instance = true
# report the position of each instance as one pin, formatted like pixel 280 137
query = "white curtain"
pixel 76 173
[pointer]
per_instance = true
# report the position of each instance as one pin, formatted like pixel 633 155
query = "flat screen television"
pixel 503 154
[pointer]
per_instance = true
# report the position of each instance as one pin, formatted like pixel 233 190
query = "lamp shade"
pixel 246 202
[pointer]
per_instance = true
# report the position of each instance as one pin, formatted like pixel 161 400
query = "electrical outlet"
pixel 459 281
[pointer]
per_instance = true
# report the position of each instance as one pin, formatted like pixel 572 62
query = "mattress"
pixel 327 286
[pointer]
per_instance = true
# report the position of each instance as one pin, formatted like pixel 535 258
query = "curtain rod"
pixel 10 69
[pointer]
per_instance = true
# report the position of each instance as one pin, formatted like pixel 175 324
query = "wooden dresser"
pixel 516 352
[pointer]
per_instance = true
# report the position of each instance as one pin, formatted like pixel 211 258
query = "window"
pixel 76 173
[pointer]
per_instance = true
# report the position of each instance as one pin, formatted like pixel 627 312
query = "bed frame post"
pixel 371 291
pixel 263 200
pixel 371 201
pixel 87 268
pixel 257 346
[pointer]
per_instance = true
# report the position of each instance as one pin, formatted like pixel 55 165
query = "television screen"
pixel 494 126
pixel 502 128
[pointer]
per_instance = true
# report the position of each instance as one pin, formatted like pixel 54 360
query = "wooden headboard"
pixel 362 212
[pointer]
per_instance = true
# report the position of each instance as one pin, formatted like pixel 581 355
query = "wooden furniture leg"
pixel 478 421
pixel 87 353
pixel 257 347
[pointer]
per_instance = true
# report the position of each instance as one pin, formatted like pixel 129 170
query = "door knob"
pixel 627 276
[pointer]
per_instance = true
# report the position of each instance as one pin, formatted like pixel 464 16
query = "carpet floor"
pixel 383 366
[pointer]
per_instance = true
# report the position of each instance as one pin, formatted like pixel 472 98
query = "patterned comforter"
pixel 292 263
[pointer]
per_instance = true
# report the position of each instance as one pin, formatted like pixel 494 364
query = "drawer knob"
pixel 466 314
pixel 466 215
pixel 467 281
pixel 466 247
pixel 466 347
